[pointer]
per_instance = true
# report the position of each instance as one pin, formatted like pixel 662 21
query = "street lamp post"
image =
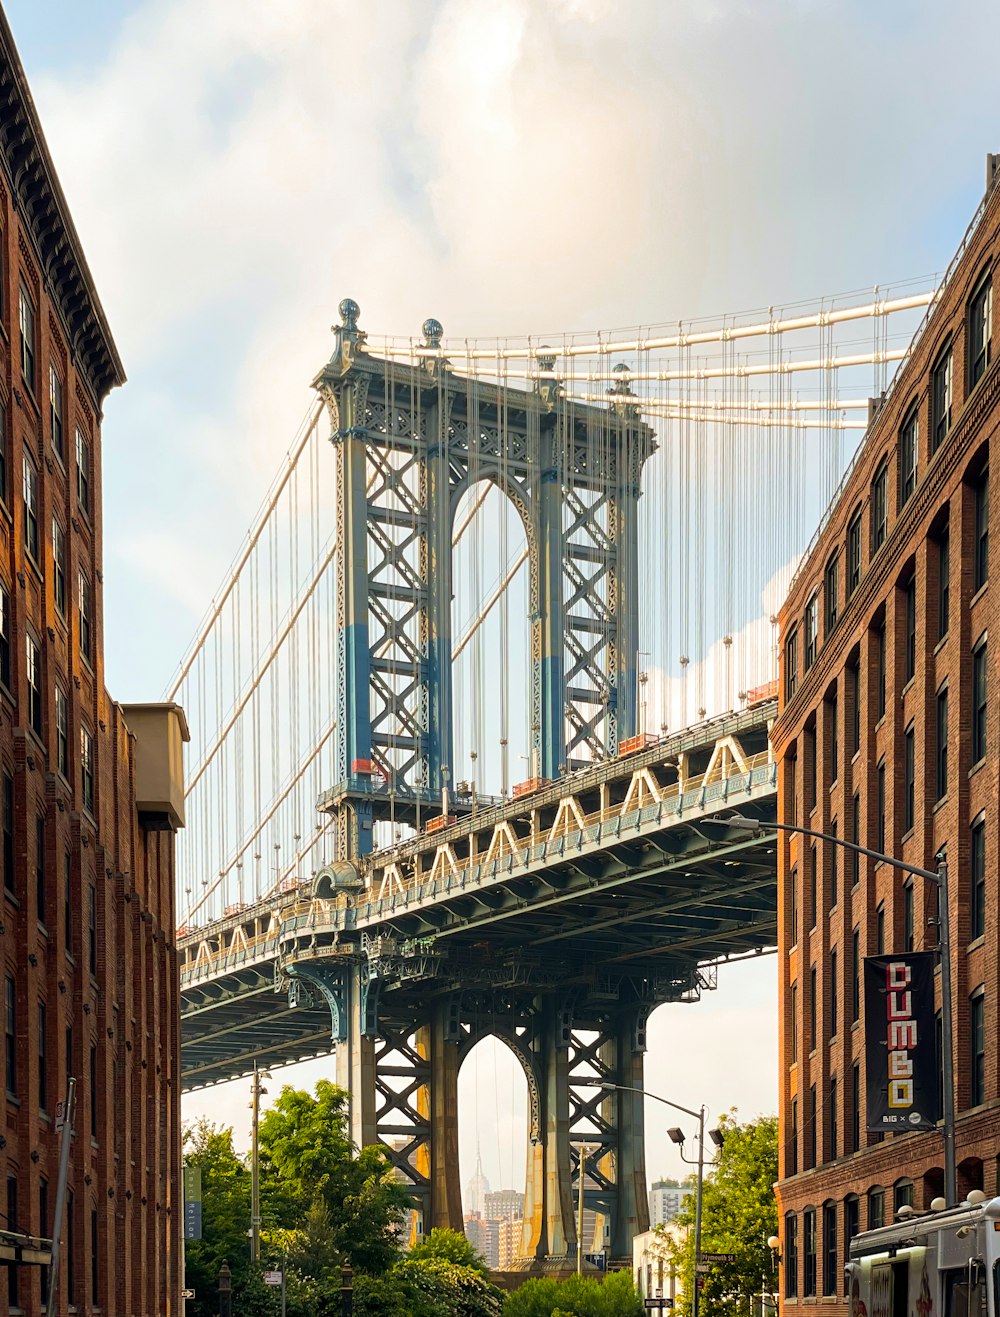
pixel 677 1137
pixel 939 877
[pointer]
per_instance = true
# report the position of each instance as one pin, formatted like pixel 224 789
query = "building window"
pixel 909 445
pixel 830 1248
pixel 977 875
pixel 811 632
pixel 981 554
pixel 93 1091
pixel 4 637
pixel 10 1033
pixel 95 1262
pixel 980 331
pixel 908 924
pixel 831 1111
pixel 812 886
pixel 855 975
pixel 944 581
pixel 791 664
pixel 34 675
pixel 880 929
pixel 42 1084
pixel 852 1224
pixel 43 1230
pixel 910 615
pixel 68 902
pixel 855 1108
pixel 82 472
pixel 812 1008
pixel 854 553
pixel 909 778
pixel 834 850
pixel 27 318
pixel 794 1007
pixel 831 593
pixel 855 837
pixel 92 930
pixel 13 1223
pixel 793 886
pixel 879 506
pixel 70 1253
pixel 902 1194
pixel 941 735
pixel 831 708
pixel 791 1255
pixel 40 866
pixel 834 994
pixel 793 1142
pixel 880 671
pixel 56 412
pixel 876 1208
pixel 809 1252
pixel 979 702
pixel 4 488
pixel 8 833
pixel 59 566
pixel 30 508
pixel 86 616
pixel 87 768
pixel 811 1129
pixel 62 732
pixel 939 1056
pixel 880 790
pixel 977 1048
pixel 941 399
pixel 854 676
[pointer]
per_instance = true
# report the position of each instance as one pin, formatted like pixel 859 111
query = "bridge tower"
pixel 411 436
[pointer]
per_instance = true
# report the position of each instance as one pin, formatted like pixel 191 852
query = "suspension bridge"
pixel 495 657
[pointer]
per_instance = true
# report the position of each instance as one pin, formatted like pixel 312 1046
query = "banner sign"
pixel 192 1202
pixel 900 1044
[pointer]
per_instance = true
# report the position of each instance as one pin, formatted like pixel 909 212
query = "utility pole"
pixel 57 1224
pixel 256 1091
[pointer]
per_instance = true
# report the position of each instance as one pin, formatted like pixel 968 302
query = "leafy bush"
pixel 579 1296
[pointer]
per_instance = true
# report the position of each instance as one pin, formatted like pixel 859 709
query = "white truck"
pixel 942 1263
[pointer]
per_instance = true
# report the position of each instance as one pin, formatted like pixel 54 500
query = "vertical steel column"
pixel 446 1186
pixel 440 731
pixel 355 1064
pixel 549 1219
pixel 550 678
pixel 631 1211
pixel 626 539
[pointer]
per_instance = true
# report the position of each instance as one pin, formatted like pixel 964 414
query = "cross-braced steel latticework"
pixel 412 438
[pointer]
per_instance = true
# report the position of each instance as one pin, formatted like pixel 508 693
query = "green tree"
pixel 425 1287
pixel 739 1213
pixel 579 1296
pixel 451 1246
pixel 225 1214
pixel 306 1151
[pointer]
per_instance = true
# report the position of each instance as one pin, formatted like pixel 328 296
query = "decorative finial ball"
pixel 349 313
pixel 546 358
pixel 623 368
pixel 433 333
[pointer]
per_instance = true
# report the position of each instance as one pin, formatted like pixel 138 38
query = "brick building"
pixel 89 793
pixel 888 736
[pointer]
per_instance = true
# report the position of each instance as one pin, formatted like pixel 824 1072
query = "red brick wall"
pixel 126 1007
pixel 944 483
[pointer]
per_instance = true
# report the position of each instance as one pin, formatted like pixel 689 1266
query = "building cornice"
pixel 42 206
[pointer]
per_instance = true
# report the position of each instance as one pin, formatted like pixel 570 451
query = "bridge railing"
pixel 572 830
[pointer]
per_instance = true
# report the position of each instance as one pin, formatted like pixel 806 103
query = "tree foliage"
pixel 579 1296
pixel 449 1246
pixel 739 1214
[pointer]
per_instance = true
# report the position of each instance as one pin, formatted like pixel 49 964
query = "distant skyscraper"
pixel 666 1198
pixel 476 1191
pixel 503 1205
pixel 511 1231
pixel 484 1236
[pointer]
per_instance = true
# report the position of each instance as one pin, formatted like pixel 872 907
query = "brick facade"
pixel 842 749
pixel 87 959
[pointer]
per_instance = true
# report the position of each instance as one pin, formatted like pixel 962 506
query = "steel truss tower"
pixel 411 438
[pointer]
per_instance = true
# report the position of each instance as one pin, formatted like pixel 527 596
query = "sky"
pixel 237 167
